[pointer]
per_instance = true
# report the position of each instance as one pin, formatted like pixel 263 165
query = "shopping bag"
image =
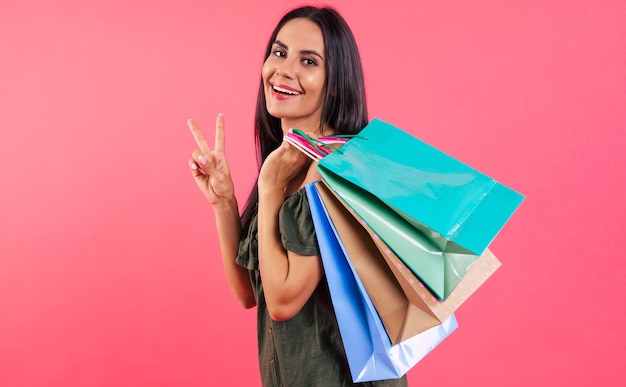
pixel 459 208
pixel 370 353
pixel 439 270
pixel 401 318
pixel 406 307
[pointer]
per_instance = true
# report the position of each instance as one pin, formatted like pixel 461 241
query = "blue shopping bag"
pixel 370 353
pixel 459 208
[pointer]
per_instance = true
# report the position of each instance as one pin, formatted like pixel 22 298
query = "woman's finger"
pixel 199 137
pixel 195 170
pixel 220 136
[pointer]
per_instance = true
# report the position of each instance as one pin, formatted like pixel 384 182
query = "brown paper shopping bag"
pixel 406 307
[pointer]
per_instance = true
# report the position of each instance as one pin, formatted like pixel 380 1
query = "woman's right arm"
pixel 212 175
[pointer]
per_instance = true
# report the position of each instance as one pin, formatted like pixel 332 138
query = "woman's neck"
pixel 312 129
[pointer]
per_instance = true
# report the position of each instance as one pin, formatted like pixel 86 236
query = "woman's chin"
pixel 278 113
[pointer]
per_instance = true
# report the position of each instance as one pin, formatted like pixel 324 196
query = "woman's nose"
pixel 286 68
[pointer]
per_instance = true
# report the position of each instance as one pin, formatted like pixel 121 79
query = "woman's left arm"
pixel 289 279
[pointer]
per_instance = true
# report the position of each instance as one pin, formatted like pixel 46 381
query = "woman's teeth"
pixel 284 91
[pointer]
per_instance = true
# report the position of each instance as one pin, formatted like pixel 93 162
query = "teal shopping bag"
pixel 436 213
pixel 457 207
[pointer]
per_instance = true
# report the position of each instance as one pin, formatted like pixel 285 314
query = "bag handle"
pixel 320 145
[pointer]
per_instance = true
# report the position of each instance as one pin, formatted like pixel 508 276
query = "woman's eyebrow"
pixel 283 45
pixel 305 52
pixel 312 52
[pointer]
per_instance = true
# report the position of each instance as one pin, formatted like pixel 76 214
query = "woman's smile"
pixel 282 92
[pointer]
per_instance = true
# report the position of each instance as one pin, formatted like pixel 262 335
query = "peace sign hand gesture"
pixel 209 167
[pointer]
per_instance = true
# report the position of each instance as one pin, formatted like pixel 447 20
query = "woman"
pixel 312 80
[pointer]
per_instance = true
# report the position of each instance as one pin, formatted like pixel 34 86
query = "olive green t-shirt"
pixel 305 350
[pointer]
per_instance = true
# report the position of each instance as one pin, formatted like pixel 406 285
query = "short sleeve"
pixel 296 225
pixel 247 254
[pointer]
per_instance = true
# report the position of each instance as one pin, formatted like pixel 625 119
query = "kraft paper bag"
pixel 371 354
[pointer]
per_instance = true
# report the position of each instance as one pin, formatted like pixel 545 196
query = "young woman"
pixel 311 80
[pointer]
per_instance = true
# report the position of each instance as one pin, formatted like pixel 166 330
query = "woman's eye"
pixel 309 62
pixel 279 53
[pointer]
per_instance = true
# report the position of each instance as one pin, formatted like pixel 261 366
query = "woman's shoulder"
pixel 296 202
pixel 296 224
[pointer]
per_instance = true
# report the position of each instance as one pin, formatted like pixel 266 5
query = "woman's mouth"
pixel 284 90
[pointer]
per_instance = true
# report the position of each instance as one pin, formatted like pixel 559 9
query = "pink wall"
pixel 109 268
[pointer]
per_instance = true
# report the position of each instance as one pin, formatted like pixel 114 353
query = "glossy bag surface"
pixel 456 206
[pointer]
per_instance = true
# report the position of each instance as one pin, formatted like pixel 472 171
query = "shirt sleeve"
pixel 296 225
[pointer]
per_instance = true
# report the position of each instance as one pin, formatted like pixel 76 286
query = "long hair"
pixel 345 108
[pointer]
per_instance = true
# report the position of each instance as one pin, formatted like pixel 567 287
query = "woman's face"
pixel 294 75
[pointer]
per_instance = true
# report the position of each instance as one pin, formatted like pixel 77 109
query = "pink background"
pixel 109 269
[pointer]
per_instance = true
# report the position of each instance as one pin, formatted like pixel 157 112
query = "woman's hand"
pixel 209 167
pixel 282 167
